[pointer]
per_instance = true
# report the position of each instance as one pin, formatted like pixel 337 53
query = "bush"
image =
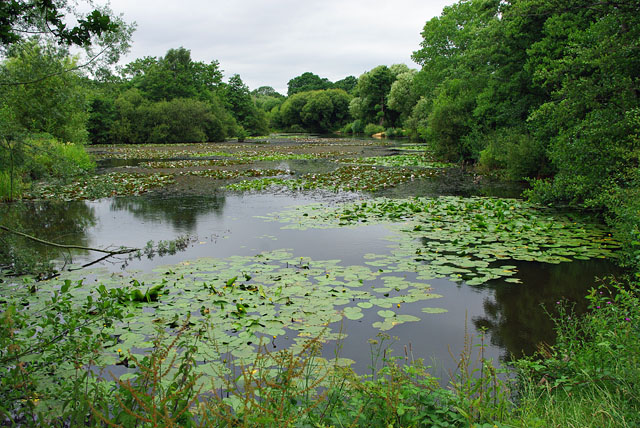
pixel 357 126
pixel 393 133
pixel 9 189
pixel 514 151
pixel 372 128
pixel 591 376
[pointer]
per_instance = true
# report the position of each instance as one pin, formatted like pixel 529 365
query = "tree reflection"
pixel 59 222
pixel 516 319
pixel 181 212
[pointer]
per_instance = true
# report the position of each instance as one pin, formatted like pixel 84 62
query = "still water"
pixel 222 225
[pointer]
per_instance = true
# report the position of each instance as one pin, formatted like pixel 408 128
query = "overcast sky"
pixel 268 42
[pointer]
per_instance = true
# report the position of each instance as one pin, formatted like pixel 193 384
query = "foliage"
pixel 372 129
pixel 41 157
pixel 373 90
pixel 316 111
pixel 56 104
pixel 243 108
pixel 66 25
pixel 175 75
pixel 307 82
pixel 179 120
pixel 590 377
pixel 348 84
pixel 46 351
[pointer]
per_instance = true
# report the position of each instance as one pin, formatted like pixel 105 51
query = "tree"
pixel 101 35
pixel 243 108
pixel 56 104
pixel 175 75
pixel 307 82
pixel 316 111
pixel 403 94
pixel 348 84
pixel 373 90
pixel 266 91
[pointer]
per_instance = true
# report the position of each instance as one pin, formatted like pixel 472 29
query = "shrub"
pixel 372 128
pixel 591 376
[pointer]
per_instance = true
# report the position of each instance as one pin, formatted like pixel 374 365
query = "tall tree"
pixel 307 82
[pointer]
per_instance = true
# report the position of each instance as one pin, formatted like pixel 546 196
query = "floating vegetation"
pixel 190 163
pixel 465 239
pixel 413 147
pixel 266 156
pixel 266 183
pixel 239 302
pixel 221 174
pixel 102 186
pixel 345 178
pixel 413 160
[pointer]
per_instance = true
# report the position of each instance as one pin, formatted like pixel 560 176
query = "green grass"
pixel 591 377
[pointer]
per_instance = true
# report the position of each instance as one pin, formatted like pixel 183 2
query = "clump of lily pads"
pixel 345 178
pixel 470 239
pixel 241 302
pixel 221 174
pixel 413 160
pixel 102 186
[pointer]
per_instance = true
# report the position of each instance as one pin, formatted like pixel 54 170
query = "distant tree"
pixel 373 90
pixel 316 111
pixel 403 95
pixel 243 108
pixel 348 84
pixel 175 75
pixel 307 82
pixel 266 91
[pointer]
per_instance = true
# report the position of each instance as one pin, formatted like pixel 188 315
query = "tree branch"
pixel 57 73
pixel 69 247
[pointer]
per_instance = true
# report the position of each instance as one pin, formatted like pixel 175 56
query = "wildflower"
pixel 627 319
pixel 597 307
pixel 119 350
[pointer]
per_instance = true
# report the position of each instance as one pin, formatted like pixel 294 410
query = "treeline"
pixel 545 89
pixel 172 99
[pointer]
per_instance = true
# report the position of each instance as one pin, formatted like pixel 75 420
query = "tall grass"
pixel 591 377
pixel 36 158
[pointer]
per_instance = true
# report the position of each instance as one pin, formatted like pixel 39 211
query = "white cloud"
pixel 270 42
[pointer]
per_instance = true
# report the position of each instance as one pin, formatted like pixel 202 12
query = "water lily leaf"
pixel 434 310
pixel 386 313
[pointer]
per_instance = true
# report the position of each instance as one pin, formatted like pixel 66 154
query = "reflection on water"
pixel 182 214
pixel 515 315
pixel 59 222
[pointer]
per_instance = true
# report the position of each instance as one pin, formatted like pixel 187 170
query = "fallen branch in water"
pixel 122 250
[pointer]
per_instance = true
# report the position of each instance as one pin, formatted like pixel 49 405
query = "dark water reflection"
pixel 181 216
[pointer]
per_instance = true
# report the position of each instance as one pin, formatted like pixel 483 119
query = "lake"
pixel 304 275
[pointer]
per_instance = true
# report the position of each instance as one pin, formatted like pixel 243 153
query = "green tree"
pixel 316 111
pixel 307 82
pixel 348 84
pixel 403 95
pixel 175 75
pixel 56 104
pixel 243 108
